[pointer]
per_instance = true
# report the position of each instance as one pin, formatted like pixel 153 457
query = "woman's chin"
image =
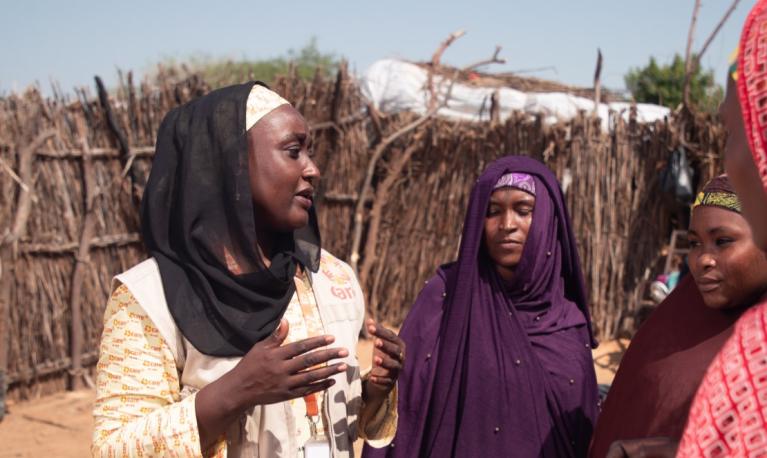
pixel 717 302
pixel 297 220
pixel 291 223
pixel 507 262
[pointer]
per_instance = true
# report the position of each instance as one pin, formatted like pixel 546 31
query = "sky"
pixel 71 41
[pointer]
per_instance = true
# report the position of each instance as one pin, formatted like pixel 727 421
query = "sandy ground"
pixel 60 425
pixel 55 426
pixel 607 358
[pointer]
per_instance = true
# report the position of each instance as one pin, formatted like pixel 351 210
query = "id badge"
pixel 317 448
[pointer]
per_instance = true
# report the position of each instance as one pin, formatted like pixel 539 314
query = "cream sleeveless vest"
pixel 265 431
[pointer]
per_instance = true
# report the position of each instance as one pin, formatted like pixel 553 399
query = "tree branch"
pixel 716 31
pixel 437 56
pixel 687 58
pixel 436 62
pixel 492 60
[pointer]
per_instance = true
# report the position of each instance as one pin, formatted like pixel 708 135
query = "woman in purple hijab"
pixel 499 342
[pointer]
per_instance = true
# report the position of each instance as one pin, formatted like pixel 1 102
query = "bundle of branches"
pixel 476 77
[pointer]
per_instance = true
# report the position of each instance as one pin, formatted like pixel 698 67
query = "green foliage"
pixel 664 85
pixel 306 62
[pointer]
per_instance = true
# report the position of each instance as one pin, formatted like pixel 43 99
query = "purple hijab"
pixel 496 369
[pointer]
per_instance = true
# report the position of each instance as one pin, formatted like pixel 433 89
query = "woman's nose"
pixel 311 171
pixel 507 222
pixel 707 261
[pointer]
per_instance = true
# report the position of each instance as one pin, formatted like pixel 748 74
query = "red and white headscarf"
pixel 752 84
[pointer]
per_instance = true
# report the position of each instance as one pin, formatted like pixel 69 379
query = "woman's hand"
pixel 272 373
pixel 655 447
pixel 267 374
pixel 388 359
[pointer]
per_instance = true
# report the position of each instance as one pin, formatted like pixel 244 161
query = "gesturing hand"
pixel 267 374
pixel 271 373
pixel 388 359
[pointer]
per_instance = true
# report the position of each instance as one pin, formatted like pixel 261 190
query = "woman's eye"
pixel 294 152
pixel 694 244
pixel 723 241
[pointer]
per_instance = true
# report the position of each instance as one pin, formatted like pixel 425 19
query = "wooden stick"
pixel 495 108
pixel 494 59
pixel 81 263
pixel 95 153
pixel 718 27
pixel 47 422
pixel 375 119
pixel 696 60
pixel 6 283
pixel 687 56
pixel 435 63
pixel 331 124
pixel 122 140
pixel 437 56
pixel 335 106
pixel 13 175
pixel 50 367
pixel 597 82
pixel 382 195
pixel 336 197
pixel 359 209
pixel 72 247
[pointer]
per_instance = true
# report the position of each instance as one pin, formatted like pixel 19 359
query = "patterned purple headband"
pixel 521 181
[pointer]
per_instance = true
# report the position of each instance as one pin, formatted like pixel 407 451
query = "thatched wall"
pixel 410 223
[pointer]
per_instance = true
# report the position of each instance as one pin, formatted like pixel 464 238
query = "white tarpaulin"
pixel 394 85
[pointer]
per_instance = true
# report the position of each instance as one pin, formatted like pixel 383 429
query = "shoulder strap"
pixel 145 283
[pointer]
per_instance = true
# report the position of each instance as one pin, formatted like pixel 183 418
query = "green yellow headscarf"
pixel 718 193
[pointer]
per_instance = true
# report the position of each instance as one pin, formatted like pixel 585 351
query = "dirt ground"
pixel 60 425
pixel 55 426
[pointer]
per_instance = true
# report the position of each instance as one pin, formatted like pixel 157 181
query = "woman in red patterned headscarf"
pixel 729 414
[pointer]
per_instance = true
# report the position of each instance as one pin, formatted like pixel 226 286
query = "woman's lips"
pixel 304 201
pixel 709 286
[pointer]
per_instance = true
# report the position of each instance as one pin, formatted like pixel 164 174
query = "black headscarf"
pixel 197 211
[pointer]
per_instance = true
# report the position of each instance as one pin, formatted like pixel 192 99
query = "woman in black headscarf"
pixel 216 344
